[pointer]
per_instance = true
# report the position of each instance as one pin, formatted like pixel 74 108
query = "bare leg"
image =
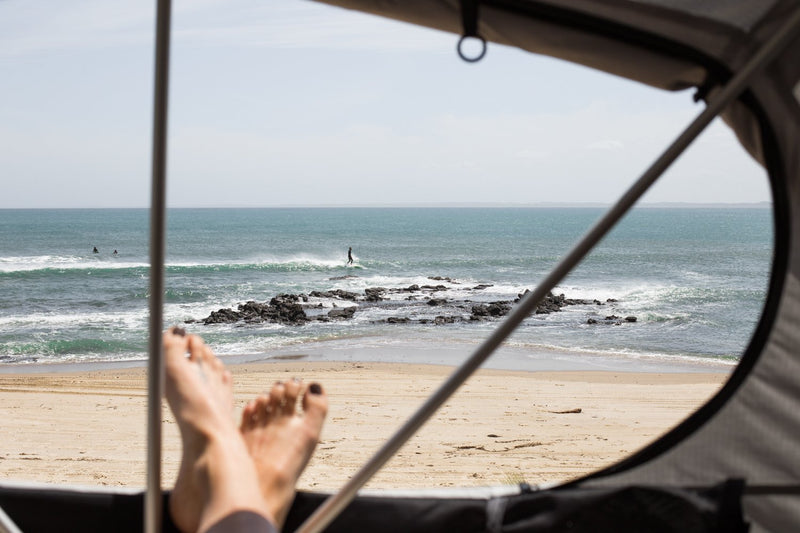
pixel 217 476
pixel 281 440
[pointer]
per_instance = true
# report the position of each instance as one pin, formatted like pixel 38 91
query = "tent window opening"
pixel 393 226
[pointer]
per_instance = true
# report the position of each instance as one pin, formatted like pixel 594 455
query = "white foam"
pixel 300 259
pixel 11 264
pixel 630 355
pixel 134 319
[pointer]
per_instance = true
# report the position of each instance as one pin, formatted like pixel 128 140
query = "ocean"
pixel 695 279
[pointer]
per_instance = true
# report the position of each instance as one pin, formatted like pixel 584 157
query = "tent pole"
pixel 328 511
pixel 155 375
pixel 6 524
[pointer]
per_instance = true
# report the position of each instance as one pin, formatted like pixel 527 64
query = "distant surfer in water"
pixel 350 256
pixel 115 252
pixel 95 251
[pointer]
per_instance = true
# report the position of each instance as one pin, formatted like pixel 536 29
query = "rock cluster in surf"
pixel 297 309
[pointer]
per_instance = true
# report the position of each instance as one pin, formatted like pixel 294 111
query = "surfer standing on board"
pixel 350 256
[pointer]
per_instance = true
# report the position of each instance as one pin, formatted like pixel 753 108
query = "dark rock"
pixel 480 310
pixel 612 320
pixel 482 286
pixel 374 294
pixel 290 308
pixel 336 293
pixel 282 308
pixel 552 304
pixel 223 316
pixel 499 308
pixel 345 295
pixel 342 312
pixel 292 297
pixel 493 309
pixel 434 288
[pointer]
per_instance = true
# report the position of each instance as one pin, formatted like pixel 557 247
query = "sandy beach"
pixel 501 427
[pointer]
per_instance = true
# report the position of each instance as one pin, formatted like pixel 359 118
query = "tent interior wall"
pixel 740 446
pixel 745 432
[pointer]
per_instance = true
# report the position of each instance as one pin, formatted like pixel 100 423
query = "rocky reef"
pixel 298 309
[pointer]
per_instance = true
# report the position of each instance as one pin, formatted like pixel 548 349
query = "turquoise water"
pixel 694 278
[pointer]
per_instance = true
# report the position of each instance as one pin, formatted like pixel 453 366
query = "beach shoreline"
pixel 88 427
pixel 403 350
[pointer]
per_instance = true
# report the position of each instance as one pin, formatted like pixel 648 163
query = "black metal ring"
pixel 471 59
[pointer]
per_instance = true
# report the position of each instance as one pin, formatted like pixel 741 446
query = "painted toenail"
pixel 178 331
pixel 315 388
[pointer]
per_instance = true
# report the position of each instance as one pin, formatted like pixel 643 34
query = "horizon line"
pixel 433 205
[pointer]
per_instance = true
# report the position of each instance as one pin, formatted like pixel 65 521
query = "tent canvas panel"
pixel 747 430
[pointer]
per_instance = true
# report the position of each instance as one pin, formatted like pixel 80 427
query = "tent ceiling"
pixel 642 40
pixel 743 14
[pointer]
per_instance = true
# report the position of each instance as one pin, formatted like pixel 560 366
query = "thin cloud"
pixel 606 144
pixel 302 26
pixel 31 28
pixel 531 154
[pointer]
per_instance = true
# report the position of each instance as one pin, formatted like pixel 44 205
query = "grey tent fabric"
pixel 751 429
pixel 630 508
pixel 743 14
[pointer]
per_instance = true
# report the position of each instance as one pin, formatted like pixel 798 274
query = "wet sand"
pixel 89 428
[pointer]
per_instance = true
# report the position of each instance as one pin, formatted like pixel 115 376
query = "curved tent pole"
pixel 336 503
pixel 155 368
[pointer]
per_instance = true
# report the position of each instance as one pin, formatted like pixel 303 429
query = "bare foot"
pixel 281 440
pixel 217 475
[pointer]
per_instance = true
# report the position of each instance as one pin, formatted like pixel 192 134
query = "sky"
pixel 294 103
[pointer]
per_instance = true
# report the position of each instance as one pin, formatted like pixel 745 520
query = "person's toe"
pixel 197 348
pixel 249 414
pixel 264 410
pixel 258 412
pixel 207 357
pixel 277 398
pixel 292 389
pixel 175 347
pixel 315 406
